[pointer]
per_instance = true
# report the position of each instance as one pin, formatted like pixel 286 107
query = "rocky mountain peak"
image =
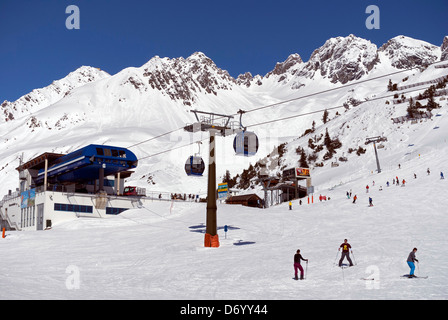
pixel 404 52
pixel 444 49
pixel 183 79
pixel 282 67
pixel 342 59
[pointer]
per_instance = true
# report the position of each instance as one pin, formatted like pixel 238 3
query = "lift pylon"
pixel 208 121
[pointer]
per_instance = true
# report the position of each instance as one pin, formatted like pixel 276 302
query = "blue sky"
pixel 246 35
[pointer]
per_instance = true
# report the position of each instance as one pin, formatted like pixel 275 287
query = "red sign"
pixel 300 172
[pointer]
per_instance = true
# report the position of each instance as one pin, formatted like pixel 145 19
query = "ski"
pixel 414 277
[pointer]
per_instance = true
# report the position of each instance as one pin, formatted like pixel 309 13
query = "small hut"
pixel 248 200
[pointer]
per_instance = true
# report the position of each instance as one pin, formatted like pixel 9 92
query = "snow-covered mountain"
pixel 404 52
pixel 136 104
pixel 44 97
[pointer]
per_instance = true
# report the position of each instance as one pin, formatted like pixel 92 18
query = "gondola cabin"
pixel 245 143
pixel 194 166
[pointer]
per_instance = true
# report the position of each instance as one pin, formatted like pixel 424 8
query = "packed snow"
pixel 157 252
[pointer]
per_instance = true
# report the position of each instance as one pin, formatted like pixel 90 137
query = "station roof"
pixel 38 162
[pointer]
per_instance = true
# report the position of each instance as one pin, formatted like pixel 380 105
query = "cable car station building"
pixel 88 182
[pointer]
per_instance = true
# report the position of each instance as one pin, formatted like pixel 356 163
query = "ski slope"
pixel 157 252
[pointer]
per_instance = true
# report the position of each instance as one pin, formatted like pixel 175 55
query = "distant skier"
pixel 355 198
pixel 403 183
pixel 290 205
pixel 411 259
pixel 367 188
pixel 370 202
pixel 297 265
pixel 441 175
pixel 398 181
pixel 346 247
pixel 387 183
pixel 428 172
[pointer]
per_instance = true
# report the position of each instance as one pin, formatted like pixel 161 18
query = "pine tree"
pixel 390 86
pixel 302 162
pixel 412 110
pixel 325 116
pixel 431 102
pixel 327 141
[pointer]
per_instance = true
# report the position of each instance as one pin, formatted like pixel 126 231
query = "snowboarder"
pixel 348 195
pixel 411 259
pixel 345 253
pixel 354 198
pixel 297 265
pixel 370 202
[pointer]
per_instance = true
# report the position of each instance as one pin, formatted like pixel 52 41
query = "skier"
pixel 290 205
pixel 441 175
pixel 387 183
pixel 354 198
pixel 367 188
pixel 345 252
pixel 410 261
pixel 428 172
pixel 297 265
pixel 370 202
pixel 403 182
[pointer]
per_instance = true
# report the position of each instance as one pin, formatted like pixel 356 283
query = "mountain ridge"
pixel 138 103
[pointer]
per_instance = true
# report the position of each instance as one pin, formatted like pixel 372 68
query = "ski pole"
pixel 354 260
pixel 306 269
pixel 337 254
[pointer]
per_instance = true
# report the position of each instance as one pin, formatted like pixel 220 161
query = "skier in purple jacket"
pixel 297 265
